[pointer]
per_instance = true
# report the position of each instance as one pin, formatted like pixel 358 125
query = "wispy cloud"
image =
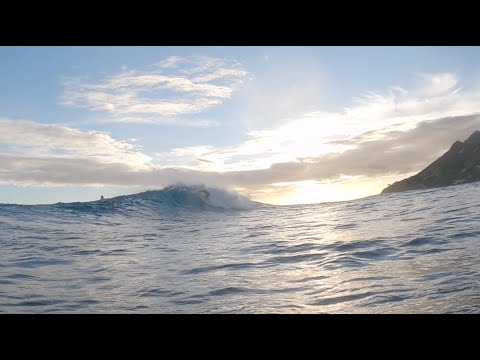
pixel 319 133
pixel 436 84
pixel 32 139
pixel 174 87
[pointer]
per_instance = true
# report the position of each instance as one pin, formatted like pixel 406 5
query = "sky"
pixel 281 125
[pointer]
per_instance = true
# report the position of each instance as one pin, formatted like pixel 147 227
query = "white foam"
pixel 229 200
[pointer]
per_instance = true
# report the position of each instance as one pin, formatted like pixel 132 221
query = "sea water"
pixel 171 251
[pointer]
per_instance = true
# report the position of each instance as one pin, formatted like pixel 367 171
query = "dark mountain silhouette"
pixel 460 164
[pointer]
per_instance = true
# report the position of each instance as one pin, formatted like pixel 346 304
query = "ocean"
pixel 170 251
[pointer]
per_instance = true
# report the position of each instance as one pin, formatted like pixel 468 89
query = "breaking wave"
pixel 170 198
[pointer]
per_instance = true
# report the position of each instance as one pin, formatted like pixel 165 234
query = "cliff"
pixel 460 164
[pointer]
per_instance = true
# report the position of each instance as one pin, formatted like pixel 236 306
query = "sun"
pixel 312 191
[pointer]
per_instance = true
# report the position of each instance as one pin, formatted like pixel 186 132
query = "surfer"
pixel 109 201
pixel 206 193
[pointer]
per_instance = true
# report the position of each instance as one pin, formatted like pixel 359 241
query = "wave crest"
pixel 192 197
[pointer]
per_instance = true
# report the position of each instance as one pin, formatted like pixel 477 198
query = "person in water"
pixel 110 201
pixel 206 193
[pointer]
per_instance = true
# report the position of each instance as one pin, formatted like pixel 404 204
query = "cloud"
pixel 28 138
pixel 434 84
pixel 397 152
pixel 174 87
pixel 317 133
